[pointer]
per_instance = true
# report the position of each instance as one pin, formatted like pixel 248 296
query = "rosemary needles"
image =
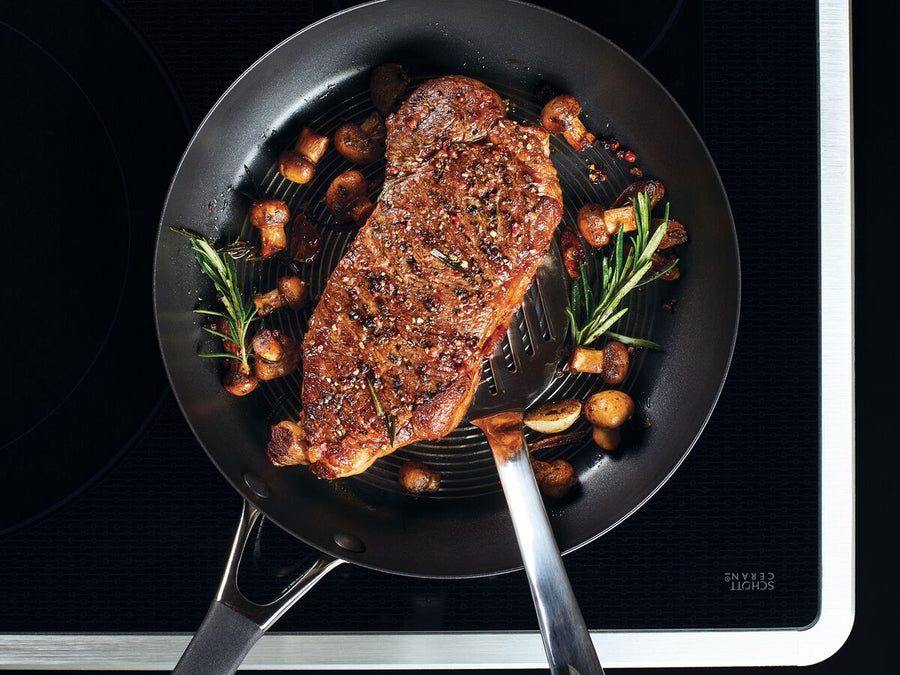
pixel 594 305
pixel 238 313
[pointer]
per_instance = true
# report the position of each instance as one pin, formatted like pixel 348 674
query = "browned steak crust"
pixel 431 281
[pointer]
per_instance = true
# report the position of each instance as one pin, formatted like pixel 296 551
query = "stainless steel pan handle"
pixel 567 642
pixel 234 623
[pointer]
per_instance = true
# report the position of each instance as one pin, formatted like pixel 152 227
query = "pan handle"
pixel 234 623
pixel 567 641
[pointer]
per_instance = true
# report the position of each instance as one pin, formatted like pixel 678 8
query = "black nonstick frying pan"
pixel 319 77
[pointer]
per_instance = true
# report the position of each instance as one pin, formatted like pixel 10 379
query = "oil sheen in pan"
pixel 463 457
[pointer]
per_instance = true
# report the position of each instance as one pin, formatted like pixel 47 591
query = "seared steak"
pixel 428 287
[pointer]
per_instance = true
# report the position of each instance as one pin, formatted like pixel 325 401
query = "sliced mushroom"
pixel 560 116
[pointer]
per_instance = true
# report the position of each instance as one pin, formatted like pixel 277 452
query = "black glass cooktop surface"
pixel 731 541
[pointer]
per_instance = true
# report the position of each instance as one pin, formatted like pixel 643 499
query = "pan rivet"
pixel 258 485
pixel 349 542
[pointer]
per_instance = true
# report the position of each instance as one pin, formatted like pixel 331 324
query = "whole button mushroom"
pixel 347 197
pixel 609 409
pixel 555 479
pixel 361 143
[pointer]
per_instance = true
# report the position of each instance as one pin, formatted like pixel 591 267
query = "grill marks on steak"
pixel 466 183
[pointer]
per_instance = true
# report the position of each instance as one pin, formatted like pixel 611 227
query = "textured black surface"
pixel 77 176
pixel 143 549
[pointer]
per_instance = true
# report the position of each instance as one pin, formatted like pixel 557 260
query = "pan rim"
pixel 248 494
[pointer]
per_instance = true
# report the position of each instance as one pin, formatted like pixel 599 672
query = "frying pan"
pixel 319 77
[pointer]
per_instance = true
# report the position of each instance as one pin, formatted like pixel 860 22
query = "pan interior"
pixel 463 457
pixel 319 77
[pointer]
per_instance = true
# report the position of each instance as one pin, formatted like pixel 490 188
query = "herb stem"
pixel 594 305
pixel 239 313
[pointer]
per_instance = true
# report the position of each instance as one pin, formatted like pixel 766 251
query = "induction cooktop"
pixel 114 524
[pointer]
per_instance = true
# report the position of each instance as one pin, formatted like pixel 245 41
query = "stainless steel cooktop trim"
pixel 420 651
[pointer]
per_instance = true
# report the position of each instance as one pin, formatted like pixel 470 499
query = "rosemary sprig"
pixel 239 249
pixel 594 303
pixel 239 313
pixel 389 420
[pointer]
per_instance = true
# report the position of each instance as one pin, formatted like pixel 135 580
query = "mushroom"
pixel 560 116
pixel 572 253
pixel 288 445
pixel 267 345
pixel 417 478
pixel 270 216
pixel 609 409
pixel 661 262
pixel 347 197
pixel 387 83
pixel 597 224
pixel 288 354
pixel 238 382
pixel 591 225
pixel 654 190
pixel 299 165
pixel 289 291
pixel 229 345
pixel 238 379
pixel 305 239
pixel 555 478
pixel 608 439
pixel 611 362
pixel 675 233
pixel 361 143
